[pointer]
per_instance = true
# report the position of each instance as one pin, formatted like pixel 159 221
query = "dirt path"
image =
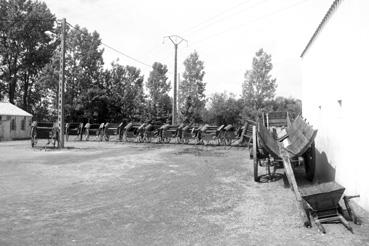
pixel 141 194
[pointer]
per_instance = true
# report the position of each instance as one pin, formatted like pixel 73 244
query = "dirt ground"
pixel 148 194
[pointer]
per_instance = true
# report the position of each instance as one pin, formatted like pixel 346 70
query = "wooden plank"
pixel 267 141
pixel 300 135
pixel 291 179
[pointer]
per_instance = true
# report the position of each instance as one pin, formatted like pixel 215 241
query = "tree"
pixel 83 71
pixel 26 45
pixel 291 105
pixel 124 88
pixel 158 88
pixel 83 66
pixel 224 109
pixel 258 87
pixel 192 89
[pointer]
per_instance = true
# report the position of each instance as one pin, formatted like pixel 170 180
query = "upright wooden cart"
pixel 44 130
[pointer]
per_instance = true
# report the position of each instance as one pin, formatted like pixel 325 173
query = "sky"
pixel 226 35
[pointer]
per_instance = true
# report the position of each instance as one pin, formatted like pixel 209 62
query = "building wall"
pixel 6 131
pixel 335 97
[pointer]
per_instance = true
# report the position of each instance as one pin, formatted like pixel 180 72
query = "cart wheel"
pixel 87 134
pixel 309 162
pixel 124 137
pixel 33 141
pixel 251 152
pixel 254 153
pixel 33 137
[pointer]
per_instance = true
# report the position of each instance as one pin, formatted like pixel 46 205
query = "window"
pixel 23 123
pixel 13 126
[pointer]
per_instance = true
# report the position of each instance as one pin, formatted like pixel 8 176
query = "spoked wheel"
pixel 125 137
pixel 254 154
pixel 33 137
pixel 271 175
pixel 309 162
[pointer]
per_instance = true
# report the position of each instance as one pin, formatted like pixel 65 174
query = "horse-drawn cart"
pixel 74 129
pixel 297 143
pixel 44 130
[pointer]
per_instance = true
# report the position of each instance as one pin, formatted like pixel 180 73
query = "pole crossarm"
pixel 176 40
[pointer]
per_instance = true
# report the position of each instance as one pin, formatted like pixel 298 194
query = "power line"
pixel 252 21
pixel 224 17
pixel 215 16
pixel 128 56
pixel 28 20
pixel 118 51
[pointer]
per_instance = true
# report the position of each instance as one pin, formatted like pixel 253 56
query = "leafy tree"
pixel 258 88
pixel 83 71
pixel 158 87
pixel 291 105
pixel 26 45
pixel 192 89
pixel 224 109
pixel 83 68
pixel 124 87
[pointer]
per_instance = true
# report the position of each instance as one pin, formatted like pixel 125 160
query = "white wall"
pixel 336 67
pixel 7 134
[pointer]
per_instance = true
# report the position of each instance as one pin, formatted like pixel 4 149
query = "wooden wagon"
pixel 111 130
pixel 151 131
pixel 44 130
pixel 297 145
pixel 130 131
pixel 211 134
pixel 167 133
pixel 74 129
pixel 276 119
pixel 93 130
pixel 185 133
pixel 228 134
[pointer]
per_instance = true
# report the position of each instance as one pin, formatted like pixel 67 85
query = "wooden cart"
pixel 111 130
pixel 273 153
pixel 93 130
pixel 74 129
pixel 44 130
pixel 322 205
pixel 297 144
pixel 211 135
pixel 130 132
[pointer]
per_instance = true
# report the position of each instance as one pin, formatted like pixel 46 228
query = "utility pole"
pixel 178 86
pixel 176 40
pixel 61 86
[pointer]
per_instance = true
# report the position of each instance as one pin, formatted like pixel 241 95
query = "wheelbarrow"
pixel 322 205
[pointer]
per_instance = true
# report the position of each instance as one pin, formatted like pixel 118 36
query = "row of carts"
pixel 278 143
pixel 145 132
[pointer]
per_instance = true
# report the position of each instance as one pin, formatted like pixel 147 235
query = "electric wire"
pixel 215 16
pixel 227 17
pixel 252 21
pixel 116 50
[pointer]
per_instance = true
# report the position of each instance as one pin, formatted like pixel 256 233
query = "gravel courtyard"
pixel 96 193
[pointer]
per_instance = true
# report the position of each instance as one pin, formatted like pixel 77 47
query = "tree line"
pixel 30 65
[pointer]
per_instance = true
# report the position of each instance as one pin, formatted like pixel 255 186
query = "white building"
pixel 15 123
pixel 336 95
